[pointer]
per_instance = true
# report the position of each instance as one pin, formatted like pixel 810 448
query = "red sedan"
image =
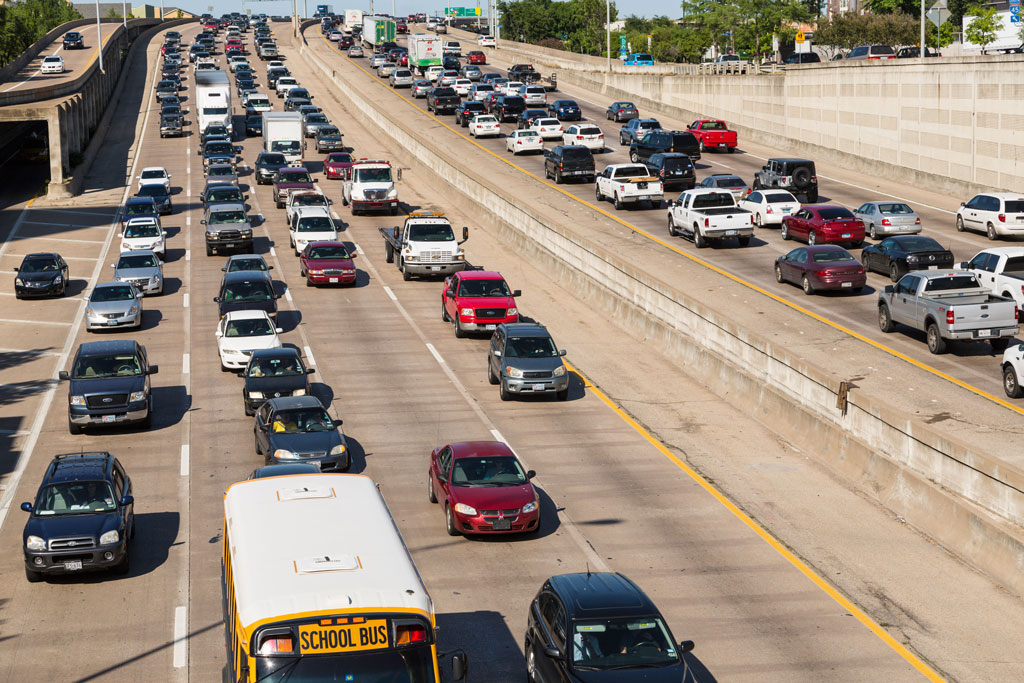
pixel 478 301
pixel 337 164
pixel 824 266
pixel 327 263
pixel 476 57
pixel 484 489
pixel 824 224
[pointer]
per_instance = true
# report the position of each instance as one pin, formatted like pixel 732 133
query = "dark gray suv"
pixel 523 359
pixel 796 175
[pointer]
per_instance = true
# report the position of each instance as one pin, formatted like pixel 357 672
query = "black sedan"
pixel 161 197
pixel 298 429
pixel 44 274
pixel 273 373
pixel 254 124
pixel 901 254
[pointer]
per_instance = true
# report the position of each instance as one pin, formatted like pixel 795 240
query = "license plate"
pixel 846 235
pixel 722 144
pixel 847 284
pixel 333 279
pixel 111 323
pixel 643 197
pixel 435 267
pixel 227 245
pixel 730 233
pixel 502 525
pixel 933 267
pixel 984 333
pixel 538 387
pixel 73 565
pixel 107 418
pixel 490 326
pixel 317 639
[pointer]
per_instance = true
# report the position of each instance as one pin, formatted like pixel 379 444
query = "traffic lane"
pixel 75 61
pixel 969 362
pixel 132 614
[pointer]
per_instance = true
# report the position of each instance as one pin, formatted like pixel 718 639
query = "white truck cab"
pixel 425 245
pixel 370 186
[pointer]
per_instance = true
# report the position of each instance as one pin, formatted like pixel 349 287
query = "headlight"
pixel 133 309
pixel 57 280
pixel 392 193
pixel 212 236
pixel 137 396
pixel 513 372
pixel 317 272
pixel 338 450
pixel 348 271
pixel 466 311
pixel 35 543
pixel 110 538
pixel 255 394
pixel 19 281
pixel 284 454
pixel 559 371
pixel 460 255
pixel 912 258
pixel 465 509
pixel 530 507
pixel 299 392
pixel 512 311
pixel 77 400
pixel 125 245
pixel 246 233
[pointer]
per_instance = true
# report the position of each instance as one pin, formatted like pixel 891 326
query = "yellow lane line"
pixel 708 265
pixel 821 583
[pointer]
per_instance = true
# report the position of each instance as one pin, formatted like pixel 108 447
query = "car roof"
pixel 590 594
pixel 106 347
pixel 1004 195
pixel 469 449
pixel 247 314
pixel 78 467
pixel 481 275
pixel 527 330
pixel 226 206
pixel 791 160
pixel 42 254
pixel 820 248
pixel 286 402
pixel 281 352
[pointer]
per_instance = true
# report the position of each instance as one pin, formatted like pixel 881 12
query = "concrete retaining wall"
pixel 970 502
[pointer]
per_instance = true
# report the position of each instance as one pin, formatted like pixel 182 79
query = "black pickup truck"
pixel 442 100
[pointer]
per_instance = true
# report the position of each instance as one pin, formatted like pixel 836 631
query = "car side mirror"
pixel 399 175
pixel 224 269
pixel 63 375
pixel 279 330
pixel 496 352
pixel 310 371
pixel 963 203
pixel 517 293
pixel 459 666
pixel 112 265
pixel 889 289
pixel 216 299
pixel 530 474
pixel 202 222
pixel 964 265
pixel 127 500
pixel 686 646
pixel 554 653
pixel 278 296
pixel 561 352
pixel 394 232
pixel 465 233
pixel 153 369
pixel 27 507
pixel 164 233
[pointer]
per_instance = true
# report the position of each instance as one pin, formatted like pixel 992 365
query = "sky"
pixel 643 8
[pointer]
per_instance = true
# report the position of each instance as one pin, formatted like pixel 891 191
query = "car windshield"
pixel 530 347
pixel 142 230
pixel 316 118
pixel 112 293
pixel 334 251
pixel 431 232
pixel 137 261
pixel 502 470
pixel 148 175
pixel 89 367
pixel 919 243
pixel 252 263
pixel 226 194
pixel 254 327
pixel 834 213
pixel 152 190
pixel 139 209
pixel 484 288
pixel 302 420
pixel 220 171
pixel 622 643
pixel 272 160
pixel 329 134
pixel 230 216
pixel 309 199
pixel 251 290
pixel 39 265
pixel 218 148
pixel 339 158
pixel 296 177
pixel 373 175
pixel 275 367
pixel 731 182
pixel 895 209
pixel 833 256
pixel 779 197
pixel 75 498
pixel 315 224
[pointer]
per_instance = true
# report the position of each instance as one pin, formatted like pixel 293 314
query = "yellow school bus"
pixel 320 586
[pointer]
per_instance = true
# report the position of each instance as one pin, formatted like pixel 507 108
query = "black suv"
pixel 109 384
pixel 247 290
pixel 581 627
pixel 442 100
pixel 82 519
pixel 796 175
pixel 172 125
pixel 274 373
pixel 675 170
pixel 73 41
pixel 466 110
pixel 253 123
pixel 508 107
pixel 664 141
pixel 569 161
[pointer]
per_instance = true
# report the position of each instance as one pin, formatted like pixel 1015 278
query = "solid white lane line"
pixel 180 636
pixel 309 355
pixel 32 322
pixel 188 254
pixel 272 252
pixel 185 364
pixel 359 250
pixel 37 71
pixel 184 460
pixel 188 218
pixel 433 351
pixel 391 295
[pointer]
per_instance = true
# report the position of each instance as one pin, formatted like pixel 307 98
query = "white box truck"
pixel 424 50
pixel 1008 38
pixel 213 99
pixel 282 132
pixel 353 18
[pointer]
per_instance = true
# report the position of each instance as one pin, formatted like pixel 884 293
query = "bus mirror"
pixel 459 666
pixel 399 175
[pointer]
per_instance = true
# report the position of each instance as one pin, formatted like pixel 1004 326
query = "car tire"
pixel 209 250
pixel 1011 383
pixel 531 660
pixel 990 232
pixel 406 275
pixel 885 323
pixel 758 222
pixel 757 184
pixel 444 314
pixel 616 202
pixel 389 252
pixel 558 178
pixel 125 565
pixel 74 429
pixel 894 272
pixel 699 240
pixel 33 576
pixel 503 393
pixel 812 238
pixel 936 344
pixel 622 142
pixel 248 412
pixel 256 445
pixel 672 227
pixel 634 157
pixel 805 284
pixel 778 273
pixel 431 495
pixel 960 224
pixel 309 283
pixel 784 231
pixel 597 193
pixel 459 332
pixel 449 521
pixel 563 395
pixel 872 233
pixel 491 377
pixel 703 149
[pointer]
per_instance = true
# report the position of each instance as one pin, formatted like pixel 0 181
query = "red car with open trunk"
pixel 824 224
pixel 478 301
pixel 327 263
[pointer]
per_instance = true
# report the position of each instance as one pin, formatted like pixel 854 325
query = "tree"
pixel 113 14
pixel 849 30
pixel 982 28
pixel 23 23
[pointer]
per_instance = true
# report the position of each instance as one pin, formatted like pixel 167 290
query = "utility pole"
pixel 608 33
pixel 99 36
pixel 124 13
pixel 921 52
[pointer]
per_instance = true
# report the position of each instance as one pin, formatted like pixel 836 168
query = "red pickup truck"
pixel 477 301
pixel 713 134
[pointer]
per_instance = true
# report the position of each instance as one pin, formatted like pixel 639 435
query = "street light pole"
pixel 124 13
pixel 99 36
pixel 608 32
pixel 921 52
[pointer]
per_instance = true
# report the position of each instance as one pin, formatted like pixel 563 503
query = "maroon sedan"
pixel 336 165
pixel 484 489
pixel 824 224
pixel 476 57
pixel 327 263
pixel 823 266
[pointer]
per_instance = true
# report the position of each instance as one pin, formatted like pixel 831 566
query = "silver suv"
pixel 142 268
pixel 523 359
pixel 227 227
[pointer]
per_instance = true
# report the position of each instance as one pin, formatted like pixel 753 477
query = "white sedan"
pixel 586 134
pixel 525 140
pixel 548 129
pixel 484 125
pixel 54 64
pixel 155 175
pixel 141 234
pixel 462 86
pixel 486 41
pixel 432 73
pixel 769 206
pixel 512 87
pixel 239 333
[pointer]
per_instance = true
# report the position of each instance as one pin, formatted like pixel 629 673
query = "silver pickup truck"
pixel 948 306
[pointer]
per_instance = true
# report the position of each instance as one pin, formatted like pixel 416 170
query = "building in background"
pixel 88 11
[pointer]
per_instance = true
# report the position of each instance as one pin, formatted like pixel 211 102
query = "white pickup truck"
pixel 704 215
pixel 628 184
pixel 1000 270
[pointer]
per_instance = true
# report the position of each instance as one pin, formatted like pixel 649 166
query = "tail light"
pixel 1002 218
pixel 601 136
pixel 662 174
pixel 860 271
pixel 917 221
pixel 579 137
pixel 1016 313
pixel 814 178
pixel 769 209
pixel 749 190
pixel 560 165
pixel 949 316
pixel 751 219
pixel 886 221
pixel 707 222
pixel 620 111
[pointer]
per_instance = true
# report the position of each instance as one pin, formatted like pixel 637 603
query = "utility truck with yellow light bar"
pixel 425 245
pixel 316 602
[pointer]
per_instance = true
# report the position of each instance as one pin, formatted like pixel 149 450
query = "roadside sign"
pixel 800 38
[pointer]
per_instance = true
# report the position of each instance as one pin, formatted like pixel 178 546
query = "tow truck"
pixel 425 245
pixel 370 186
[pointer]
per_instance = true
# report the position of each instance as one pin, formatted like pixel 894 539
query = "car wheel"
pixel 449 521
pixel 248 411
pixel 634 157
pixel 936 344
pixel 491 377
pixel 758 222
pixel 597 193
pixel 33 576
pixel 778 273
pixel 558 178
pixel 531 661
pixel 459 332
pixel 1011 385
pixel 990 232
pixel 309 283
pixel 125 565
pixel 622 141
pixel 563 395
pixel 703 149
pixel 444 314
pixel 256 445
pixel 959 224
pixel 74 429
pixel 431 496
pixel 812 238
pixel 885 323
pixel 698 238
pixel 872 233
pixel 209 250
pixel 894 272
pixel 672 227
pixel 503 393
pixel 757 184
pixel 389 253
pixel 784 231
pixel 805 284
pixel 616 202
